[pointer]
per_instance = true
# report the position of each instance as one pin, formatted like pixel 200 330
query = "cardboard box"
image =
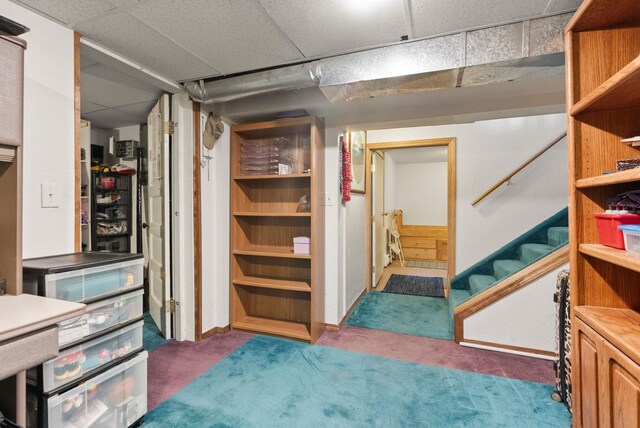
pixel 301 245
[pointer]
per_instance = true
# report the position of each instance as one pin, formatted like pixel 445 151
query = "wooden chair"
pixel 393 236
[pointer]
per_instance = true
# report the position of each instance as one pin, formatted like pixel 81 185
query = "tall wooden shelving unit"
pixel 273 290
pixel 603 98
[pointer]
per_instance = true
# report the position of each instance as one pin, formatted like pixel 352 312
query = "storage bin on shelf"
pixel 631 233
pixel 115 398
pixel 608 233
pixel 87 284
pixel 101 316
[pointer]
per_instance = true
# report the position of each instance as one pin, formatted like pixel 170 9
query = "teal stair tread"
pixel 456 297
pixel 529 253
pixel 479 283
pixel 505 268
pixel 557 235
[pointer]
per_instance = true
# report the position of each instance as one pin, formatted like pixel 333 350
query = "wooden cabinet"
pixel 277 186
pixel 606 376
pixel 602 44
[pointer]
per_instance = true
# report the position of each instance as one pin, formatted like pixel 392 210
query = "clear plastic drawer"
pixel 101 316
pixel 85 284
pixel 115 398
pixel 75 362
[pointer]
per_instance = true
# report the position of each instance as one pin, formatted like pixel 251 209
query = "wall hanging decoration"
pixel 345 170
pixel 357 141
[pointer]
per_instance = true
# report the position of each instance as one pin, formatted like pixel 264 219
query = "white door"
pixel 379 243
pixel 157 217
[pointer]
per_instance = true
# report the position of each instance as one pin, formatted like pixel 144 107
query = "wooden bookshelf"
pixel 275 166
pixel 603 97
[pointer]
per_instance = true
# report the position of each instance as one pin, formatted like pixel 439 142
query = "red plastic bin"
pixel 608 232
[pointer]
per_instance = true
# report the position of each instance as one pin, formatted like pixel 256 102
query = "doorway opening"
pixel 410 215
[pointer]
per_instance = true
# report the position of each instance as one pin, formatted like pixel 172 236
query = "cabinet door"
pixel 585 376
pixel 620 407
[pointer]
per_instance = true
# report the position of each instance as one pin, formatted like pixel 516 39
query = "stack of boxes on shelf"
pixel 100 374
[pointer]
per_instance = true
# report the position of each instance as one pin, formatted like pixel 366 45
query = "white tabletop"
pixel 27 313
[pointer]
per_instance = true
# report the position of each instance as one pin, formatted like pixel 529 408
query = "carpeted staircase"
pixel 540 241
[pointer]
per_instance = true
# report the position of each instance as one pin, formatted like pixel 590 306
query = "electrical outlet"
pixel 50 195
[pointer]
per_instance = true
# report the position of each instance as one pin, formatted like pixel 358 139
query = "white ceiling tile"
pixel 111 88
pixel 69 11
pixel 328 27
pixel 557 6
pixel 88 107
pixel 141 109
pixel 232 36
pixel 86 61
pixel 124 34
pixel 433 17
pixel 112 118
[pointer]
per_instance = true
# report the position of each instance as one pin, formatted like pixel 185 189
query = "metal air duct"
pixel 490 55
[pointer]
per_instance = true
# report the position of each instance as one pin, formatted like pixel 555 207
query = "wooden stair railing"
pixel 518 169
pixel 506 287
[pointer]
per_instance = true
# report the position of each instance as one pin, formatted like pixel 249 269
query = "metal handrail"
pixel 518 169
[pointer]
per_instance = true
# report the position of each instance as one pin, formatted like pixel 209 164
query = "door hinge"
pixel 169 127
pixel 373 219
pixel 373 269
pixel 171 306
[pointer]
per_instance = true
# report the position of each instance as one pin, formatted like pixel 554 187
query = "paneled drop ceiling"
pixel 189 40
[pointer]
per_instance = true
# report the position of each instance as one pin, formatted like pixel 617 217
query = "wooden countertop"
pixel 26 313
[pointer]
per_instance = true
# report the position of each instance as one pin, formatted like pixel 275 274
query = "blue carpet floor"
pixel 151 336
pixel 413 315
pixel 270 382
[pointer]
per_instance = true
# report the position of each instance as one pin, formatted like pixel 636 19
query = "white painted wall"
pixel 486 152
pixel 215 233
pixel 421 193
pixel 531 313
pixel 389 184
pixel 335 233
pixel 355 254
pixel 48 133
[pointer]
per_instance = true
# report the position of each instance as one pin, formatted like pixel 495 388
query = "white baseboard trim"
pixel 508 351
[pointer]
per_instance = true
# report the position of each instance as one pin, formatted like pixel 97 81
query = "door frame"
pixel 371 188
pixel 450 143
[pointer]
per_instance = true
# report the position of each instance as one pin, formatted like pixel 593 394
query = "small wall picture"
pixel 357 141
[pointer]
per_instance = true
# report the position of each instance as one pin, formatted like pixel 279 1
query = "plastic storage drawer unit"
pixel 83 277
pixel 631 237
pixel 77 361
pixel 116 398
pixel 101 316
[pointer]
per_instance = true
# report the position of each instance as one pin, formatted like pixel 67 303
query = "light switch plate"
pixel 50 195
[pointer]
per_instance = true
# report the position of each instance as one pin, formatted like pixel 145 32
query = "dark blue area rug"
pixel 151 337
pixel 270 382
pixel 415 285
pixel 398 313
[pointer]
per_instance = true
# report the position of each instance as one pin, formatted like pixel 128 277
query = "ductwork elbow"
pixel 196 90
